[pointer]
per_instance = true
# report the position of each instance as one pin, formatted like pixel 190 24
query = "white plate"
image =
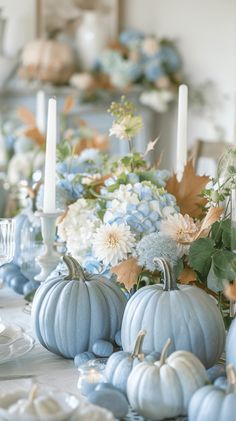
pixel 9 333
pixel 69 404
pixel 16 349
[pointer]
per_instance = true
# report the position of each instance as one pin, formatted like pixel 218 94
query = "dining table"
pixel 42 367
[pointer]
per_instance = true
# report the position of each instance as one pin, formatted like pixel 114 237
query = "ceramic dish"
pixel 9 333
pixel 16 349
pixel 67 402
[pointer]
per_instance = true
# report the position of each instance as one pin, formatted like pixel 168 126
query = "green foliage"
pixel 64 150
pixel 212 257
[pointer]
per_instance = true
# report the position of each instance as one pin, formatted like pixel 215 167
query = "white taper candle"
pixel 181 155
pixel 49 200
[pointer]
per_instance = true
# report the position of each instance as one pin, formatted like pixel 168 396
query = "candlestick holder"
pixel 50 258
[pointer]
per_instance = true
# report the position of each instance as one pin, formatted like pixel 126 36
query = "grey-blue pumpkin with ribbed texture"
pixel 214 403
pixel 184 313
pixel 70 313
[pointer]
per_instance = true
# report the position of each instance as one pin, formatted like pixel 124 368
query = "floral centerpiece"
pixel 136 60
pixel 140 212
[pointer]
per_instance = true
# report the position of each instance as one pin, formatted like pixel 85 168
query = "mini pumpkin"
pixel 214 403
pixel 184 313
pixel 120 364
pixel 47 60
pixel 163 389
pixel 70 313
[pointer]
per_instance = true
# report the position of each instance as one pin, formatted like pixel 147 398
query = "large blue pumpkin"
pixel 70 313
pixel 231 345
pixel 184 313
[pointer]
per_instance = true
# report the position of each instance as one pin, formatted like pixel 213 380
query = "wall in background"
pixel 205 31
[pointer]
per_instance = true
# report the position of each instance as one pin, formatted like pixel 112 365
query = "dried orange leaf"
pixel 187 276
pixel 62 217
pixel 69 104
pixel 211 217
pixel 26 116
pixel 230 291
pixel 127 272
pixel 151 146
pixel 34 134
pixel 188 190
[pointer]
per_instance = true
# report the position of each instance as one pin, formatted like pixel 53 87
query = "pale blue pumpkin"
pixel 70 313
pixel 212 403
pixel 111 399
pixel 121 363
pixel 83 358
pixel 163 389
pixel 231 344
pixel 102 348
pixel 186 314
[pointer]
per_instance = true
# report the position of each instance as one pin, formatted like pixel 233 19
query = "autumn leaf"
pixel 187 276
pixel 26 116
pixel 127 272
pixel 69 104
pixel 230 290
pixel 151 146
pixel 188 190
pixel 34 134
pixel 213 215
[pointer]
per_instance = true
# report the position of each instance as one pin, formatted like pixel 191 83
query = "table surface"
pixel 49 369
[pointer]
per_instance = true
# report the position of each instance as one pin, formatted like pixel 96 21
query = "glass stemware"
pixel 7 240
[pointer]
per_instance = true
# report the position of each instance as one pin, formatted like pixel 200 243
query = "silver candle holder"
pixel 49 260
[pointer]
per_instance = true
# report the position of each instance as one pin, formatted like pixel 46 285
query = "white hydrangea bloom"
pixel 78 227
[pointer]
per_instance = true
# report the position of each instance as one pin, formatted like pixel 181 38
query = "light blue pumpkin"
pixel 231 344
pixel 102 348
pixel 184 313
pixel 111 399
pixel 120 364
pixel 163 389
pixel 212 403
pixel 83 358
pixel 70 313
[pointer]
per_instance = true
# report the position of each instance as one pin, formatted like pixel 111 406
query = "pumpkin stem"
pixel 74 269
pixel 138 344
pixel 169 277
pixel 231 378
pixel 164 353
pixel 33 392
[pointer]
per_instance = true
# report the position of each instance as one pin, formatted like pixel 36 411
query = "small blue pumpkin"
pixel 102 348
pixel 231 345
pixel 121 363
pixel 83 358
pixel 111 399
pixel 70 313
pixel 212 403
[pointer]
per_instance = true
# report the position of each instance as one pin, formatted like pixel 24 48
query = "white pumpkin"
pixel 48 61
pixel 186 314
pixel 163 389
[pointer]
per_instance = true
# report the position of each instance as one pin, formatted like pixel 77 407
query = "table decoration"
pixel 135 60
pixel 111 399
pixel 7 240
pixel 16 349
pixel 91 374
pixel 37 405
pixel 230 344
pixel 182 147
pixel 121 363
pixel 163 389
pixel 78 309
pixel 214 403
pixel 47 60
pixel 202 329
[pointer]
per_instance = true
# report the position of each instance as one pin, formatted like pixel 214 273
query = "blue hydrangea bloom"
pixel 153 69
pixel 62 198
pixel 73 190
pixel 131 38
pixel 171 59
pixel 141 205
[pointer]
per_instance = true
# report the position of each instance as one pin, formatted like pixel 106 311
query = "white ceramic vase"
pixel 92 37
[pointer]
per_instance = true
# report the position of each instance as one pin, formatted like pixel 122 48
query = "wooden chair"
pixel 207 149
